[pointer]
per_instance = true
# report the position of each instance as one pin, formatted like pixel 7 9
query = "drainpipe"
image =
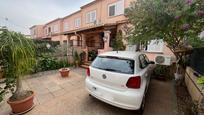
pixel 78 36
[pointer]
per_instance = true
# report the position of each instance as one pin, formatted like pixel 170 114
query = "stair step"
pixel 87 63
pixel 84 66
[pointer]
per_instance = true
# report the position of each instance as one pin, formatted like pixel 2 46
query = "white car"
pixel 120 78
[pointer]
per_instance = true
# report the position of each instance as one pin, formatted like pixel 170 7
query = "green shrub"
pixel 201 80
pixel 46 63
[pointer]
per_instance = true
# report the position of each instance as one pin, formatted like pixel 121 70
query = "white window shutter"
pixel 93 16
pixel 155 46
pixel 87 17
pixel 120 7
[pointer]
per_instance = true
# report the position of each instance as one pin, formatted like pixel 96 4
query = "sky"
pixel 20 15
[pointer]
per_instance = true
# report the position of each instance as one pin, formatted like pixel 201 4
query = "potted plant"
pixel 18 57
pixel 64 72
pixel 92 55
pixel 160 72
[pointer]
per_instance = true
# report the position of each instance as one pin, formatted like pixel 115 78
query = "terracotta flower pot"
pixel 22 106
pixel 64 72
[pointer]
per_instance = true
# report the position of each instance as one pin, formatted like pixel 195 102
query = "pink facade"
pixel 52 30
pixel 92 28
pixel 36 31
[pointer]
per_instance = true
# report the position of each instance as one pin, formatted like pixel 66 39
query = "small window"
pixel 77 22
pixel 49 29
pixel 116 9
pixel 155 46
pixel 91 17
pixel 66 26
pixel 112 10
pixel 55 28
pixel 143 61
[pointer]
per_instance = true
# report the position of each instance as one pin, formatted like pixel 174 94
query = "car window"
pixel 143 61
pixel 146 58
pixel 114 64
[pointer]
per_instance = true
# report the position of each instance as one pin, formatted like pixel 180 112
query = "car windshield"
pixel 114 64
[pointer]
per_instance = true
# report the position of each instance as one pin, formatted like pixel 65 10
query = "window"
pixel 55 28
pixel 91 17
pixel 116 8
pixel 112 10
pixel 34 32
pixel 113 64
pixel 66 26
pixel 152 46
pixel 155 46
pixel 49 29
pixel 143 61
pixel 77 22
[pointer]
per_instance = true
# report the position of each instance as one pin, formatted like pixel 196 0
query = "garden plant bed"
pixel 186 106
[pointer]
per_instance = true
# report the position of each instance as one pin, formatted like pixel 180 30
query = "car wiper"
pixel 111 70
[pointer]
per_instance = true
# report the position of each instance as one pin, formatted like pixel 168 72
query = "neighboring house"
pixel 53 30
pixel 94 28
pixel 36 32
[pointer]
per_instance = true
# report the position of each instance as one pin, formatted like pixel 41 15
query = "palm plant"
pixel 18 56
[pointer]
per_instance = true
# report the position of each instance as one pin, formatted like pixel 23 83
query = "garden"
pixel 19 57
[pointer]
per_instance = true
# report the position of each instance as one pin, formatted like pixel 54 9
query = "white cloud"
pixel 23 14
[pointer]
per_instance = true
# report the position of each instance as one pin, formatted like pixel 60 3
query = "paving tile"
pixel 45 98
pixel 59 92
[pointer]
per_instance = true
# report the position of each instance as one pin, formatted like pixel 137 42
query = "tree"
pixel 177 22
pixel 17 55
pixel 118 42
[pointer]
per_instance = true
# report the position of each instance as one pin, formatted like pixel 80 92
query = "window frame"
pixel 117 8
pixel 140 61
pixel 77 22
pixel 161 48
pixel 111 5
pixel 89 16
pixel 66 26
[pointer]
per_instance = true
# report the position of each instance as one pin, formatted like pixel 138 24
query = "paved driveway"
pixel 67 96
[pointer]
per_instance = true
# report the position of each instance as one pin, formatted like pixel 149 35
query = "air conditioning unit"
pixel 163 60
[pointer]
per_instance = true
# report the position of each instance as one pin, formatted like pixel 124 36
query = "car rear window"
pixel 114 64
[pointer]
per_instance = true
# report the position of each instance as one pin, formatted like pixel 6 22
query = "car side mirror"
pixel 151 62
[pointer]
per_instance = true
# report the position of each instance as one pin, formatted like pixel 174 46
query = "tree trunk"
pixel 19 87
pixel 19 93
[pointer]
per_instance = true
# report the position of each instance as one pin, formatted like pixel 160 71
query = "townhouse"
pixel 36 31
pixel 94 28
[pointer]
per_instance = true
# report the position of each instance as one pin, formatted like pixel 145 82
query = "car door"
pixel 144 65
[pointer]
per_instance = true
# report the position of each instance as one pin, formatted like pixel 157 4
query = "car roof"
pixel 122 54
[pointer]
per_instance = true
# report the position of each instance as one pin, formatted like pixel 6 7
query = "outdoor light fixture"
pixel 48 46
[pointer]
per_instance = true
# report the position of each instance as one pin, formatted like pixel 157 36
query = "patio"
pixel 67 96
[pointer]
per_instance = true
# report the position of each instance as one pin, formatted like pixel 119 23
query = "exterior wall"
pixel 36 32
pixel 101 7
pixel 70 20
pixel 166 51
pixel 57 23
pixel 54 35
pixel 104 12
pixel 60 38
